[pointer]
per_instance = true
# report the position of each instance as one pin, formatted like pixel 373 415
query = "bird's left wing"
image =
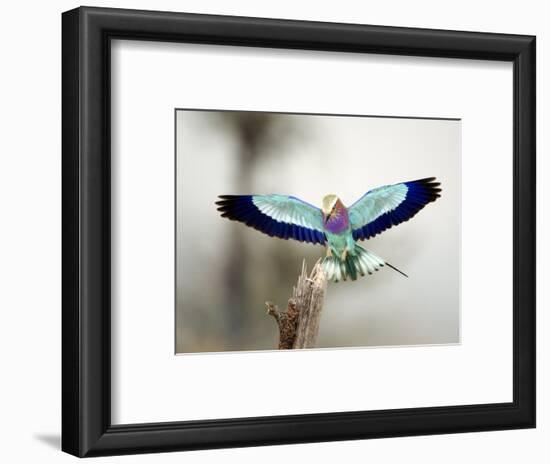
pixel 387 206
pixel 275 215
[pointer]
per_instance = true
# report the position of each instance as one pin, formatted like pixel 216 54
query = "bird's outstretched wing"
pixel 275 215
pixel 387 206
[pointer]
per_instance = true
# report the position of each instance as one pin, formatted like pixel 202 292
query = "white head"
pixel 329 202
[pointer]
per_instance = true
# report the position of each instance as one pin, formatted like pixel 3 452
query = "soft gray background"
pixel 226 271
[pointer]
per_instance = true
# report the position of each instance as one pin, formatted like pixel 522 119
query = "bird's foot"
pixel 344 254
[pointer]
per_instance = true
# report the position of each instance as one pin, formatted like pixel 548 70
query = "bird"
pixel 334 225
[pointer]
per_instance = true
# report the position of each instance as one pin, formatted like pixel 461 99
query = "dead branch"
pixel 299 324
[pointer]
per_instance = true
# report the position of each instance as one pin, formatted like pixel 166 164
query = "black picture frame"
pixel 86 380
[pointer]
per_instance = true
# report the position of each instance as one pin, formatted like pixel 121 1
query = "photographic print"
pixel 316 231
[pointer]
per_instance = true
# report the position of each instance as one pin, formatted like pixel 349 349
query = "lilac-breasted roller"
pixel 334 225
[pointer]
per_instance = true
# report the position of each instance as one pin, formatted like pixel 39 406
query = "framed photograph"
pixel 284 231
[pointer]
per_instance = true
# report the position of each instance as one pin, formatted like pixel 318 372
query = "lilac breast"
pixel 338 222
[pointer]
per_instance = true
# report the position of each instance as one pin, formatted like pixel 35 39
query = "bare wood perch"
pixel 299 324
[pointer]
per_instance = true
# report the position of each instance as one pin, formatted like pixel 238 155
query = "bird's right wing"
pixel 388 206
pixel 275 215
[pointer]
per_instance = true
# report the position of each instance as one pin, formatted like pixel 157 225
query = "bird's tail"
pixel 357 263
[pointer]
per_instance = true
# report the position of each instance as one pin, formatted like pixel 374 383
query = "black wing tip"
pixel 433 188
pixel 232 197
pixel 431 181
pixel 228 203
pixel 224 200
pixel 427 180
pixel 228 200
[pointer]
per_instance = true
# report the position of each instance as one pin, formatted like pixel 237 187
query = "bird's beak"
pixel 328 216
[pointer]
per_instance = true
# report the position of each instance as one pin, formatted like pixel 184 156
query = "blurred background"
pixel 226 271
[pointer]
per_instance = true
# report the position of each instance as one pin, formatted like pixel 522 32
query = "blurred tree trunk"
pixel 251 130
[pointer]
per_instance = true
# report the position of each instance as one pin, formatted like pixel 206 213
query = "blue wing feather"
pixel 275 215
pixel 388 206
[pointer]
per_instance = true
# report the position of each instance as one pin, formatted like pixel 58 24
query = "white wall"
pixel 30 208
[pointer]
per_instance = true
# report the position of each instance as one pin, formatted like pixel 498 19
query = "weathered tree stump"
pixel 299 324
